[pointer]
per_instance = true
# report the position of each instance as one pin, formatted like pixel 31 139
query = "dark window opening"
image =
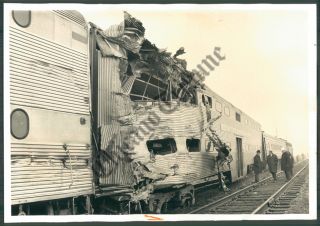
pixel 162 146
pixel 203 100
pixel 153 92
pixel 136 98
pixel 138 87
pixel 193 145
pixel 207 101
pixel 238 117
pixel 144 77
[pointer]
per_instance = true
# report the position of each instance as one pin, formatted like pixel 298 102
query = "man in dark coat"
pixel 257 166
pixel 287 163
pixel 272 161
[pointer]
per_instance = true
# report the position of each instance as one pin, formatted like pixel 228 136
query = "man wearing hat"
pixel 257 166
pixel 287 163
pixel 272 161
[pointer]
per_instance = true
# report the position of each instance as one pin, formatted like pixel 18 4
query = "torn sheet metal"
pixel 110 49
pixel 130 162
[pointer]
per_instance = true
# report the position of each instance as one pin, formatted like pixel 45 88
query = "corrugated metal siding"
pixel 42 172
pixel 185 121
pixel 117 168
pixel 46 75
pixel 50 80
pixel 107 133
pixel 111 106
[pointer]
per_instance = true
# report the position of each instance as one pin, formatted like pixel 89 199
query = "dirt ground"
pixel 300 205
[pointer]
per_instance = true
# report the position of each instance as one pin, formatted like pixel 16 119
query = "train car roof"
pixel 73 15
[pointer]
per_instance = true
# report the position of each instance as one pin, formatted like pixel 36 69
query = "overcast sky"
pixel 266 72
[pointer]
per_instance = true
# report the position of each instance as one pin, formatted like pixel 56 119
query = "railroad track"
pixel 280 202
pixel 265 196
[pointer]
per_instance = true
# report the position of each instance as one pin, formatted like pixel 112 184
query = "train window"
pixel 22 17
pixel 238 117
pixel 19 124
pixel 193 145
pixel 218 106
pixel 227 111
pixel 162 146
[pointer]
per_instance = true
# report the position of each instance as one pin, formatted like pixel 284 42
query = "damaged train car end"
pixel 149 129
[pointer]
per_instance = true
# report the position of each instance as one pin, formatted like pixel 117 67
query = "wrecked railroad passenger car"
pixel 103 121
pixel 150 130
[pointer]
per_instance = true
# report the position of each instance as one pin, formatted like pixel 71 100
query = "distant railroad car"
pixel 274 144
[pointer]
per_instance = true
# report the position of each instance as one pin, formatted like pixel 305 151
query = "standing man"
pixel 272 161
pixel 287 163
pixel 257 166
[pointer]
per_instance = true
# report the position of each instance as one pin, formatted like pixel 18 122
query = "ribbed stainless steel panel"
pixel 117 168
pixel 46 75
pixel 51 82
pixel 42 172
pixel 111 106
pixel 185 121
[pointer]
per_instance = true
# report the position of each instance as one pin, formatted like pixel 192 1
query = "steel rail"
pixel 264 206
pixel 234 194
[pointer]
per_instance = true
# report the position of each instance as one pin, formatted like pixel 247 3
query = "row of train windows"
pixel 22 17
pixel 218 107
pixel 169 146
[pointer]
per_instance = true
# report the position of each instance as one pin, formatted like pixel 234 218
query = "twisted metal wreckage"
pixel 145 103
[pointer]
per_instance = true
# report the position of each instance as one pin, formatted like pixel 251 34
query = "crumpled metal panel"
pixel 110 49
pixel 37 177
pixel 190 167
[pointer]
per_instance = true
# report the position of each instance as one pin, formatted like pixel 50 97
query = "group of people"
pixel 272 162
